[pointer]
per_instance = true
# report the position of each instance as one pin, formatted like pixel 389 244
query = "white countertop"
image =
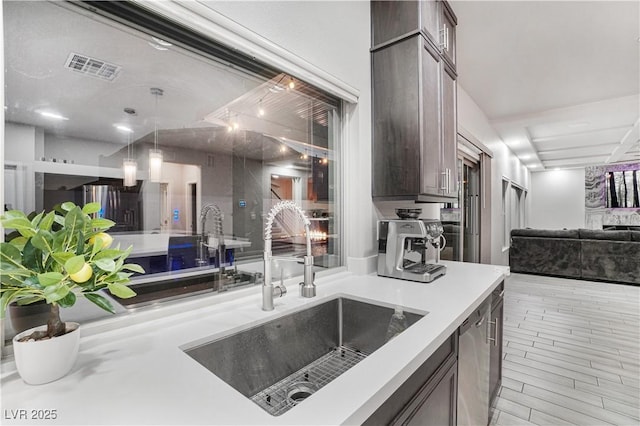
pixel 138 374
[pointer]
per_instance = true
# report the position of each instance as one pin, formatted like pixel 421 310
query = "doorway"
pixel 192 203
pixel 165 214
pixel 281 188
pixel 471 208
pixel 467 220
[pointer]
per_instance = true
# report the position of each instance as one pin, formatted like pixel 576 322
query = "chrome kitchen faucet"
pixel 308 287
pixel 203 257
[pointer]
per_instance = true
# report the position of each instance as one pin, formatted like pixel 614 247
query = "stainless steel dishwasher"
pixel 473 368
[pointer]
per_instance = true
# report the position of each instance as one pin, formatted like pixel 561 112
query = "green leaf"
pixel 54 293
pixel 43 240
pixel 14 274
pixel 74 220
pixel 50 278
pixel 19 242
pixel 74 264
pixel 121 290
pixel 102 223
pixel 32 257
pixel 47 221
pixel 36 220
pixel 134 268
pixel 100 301
pixel 17 223
pixel 13 214
pixel 5 300
pixel 21 224
pixel 10 254
pixel 80 246
pixel 107 265
pixel 91 208
pixel 108 254
pixel 58 219
pixel 29 300
pixel 68 206
pixel 68 301
pixel 59 241
pixel 62 256
pixel 123 277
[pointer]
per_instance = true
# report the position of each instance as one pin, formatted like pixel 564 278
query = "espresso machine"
pixel 409 248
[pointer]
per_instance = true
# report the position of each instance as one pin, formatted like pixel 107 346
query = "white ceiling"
pixel 558 80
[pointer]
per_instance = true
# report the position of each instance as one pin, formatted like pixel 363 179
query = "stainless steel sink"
pixel 280 363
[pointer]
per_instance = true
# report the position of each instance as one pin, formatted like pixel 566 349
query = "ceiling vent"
pixel 92 66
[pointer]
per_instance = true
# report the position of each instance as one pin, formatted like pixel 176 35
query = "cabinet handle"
pixel 495 332
pixel 443 186
pixel 444 37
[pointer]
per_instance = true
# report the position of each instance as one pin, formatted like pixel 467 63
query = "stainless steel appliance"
pixel 409 248
pixel 473 368
pixel 122 205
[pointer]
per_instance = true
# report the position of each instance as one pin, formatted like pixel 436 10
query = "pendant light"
pixel 129 166
pixel 155 155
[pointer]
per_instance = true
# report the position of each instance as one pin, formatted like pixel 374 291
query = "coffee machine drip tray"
pixel 425 272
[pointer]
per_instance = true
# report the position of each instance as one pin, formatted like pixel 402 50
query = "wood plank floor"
pixel 571 353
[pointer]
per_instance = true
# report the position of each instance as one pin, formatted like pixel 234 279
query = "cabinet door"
pixel 449 134
pixel 396 119
pixel 431 181
pixel 392 19
pixel 495 366
pixel 429 20
pixel 448 34
pixel 435 404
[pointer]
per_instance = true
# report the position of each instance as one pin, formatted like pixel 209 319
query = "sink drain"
pixel 297 387
pixel 300 391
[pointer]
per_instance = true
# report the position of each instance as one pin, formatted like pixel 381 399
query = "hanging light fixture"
pixel 129 165
pixel 155 155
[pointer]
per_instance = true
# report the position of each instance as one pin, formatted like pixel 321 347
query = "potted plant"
pixel 55 257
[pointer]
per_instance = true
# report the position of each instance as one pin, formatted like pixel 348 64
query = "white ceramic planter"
pixel 44 361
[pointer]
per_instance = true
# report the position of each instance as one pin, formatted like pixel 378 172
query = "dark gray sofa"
pixel 577 253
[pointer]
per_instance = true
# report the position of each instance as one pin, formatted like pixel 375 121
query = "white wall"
pixel 557 199
pixel 503 165
pixel 335 37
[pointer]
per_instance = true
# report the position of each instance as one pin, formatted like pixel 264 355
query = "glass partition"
pixel 186 151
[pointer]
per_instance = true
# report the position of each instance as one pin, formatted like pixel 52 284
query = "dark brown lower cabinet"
pixel 495 337
pixel 428 396
pixel 435 404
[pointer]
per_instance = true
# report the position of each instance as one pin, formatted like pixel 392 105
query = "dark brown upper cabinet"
pixel 414 103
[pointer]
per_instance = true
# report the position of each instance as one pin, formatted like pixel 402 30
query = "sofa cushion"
pixel 611 261
pixel 545 233
pixel 547 256
pixel 597 234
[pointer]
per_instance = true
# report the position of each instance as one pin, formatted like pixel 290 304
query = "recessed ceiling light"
pixel 275 176
pixel 52 115
pixel 123 128
pixel 157 46
pixel 161 42
pixel 532 166
pixel 525 157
